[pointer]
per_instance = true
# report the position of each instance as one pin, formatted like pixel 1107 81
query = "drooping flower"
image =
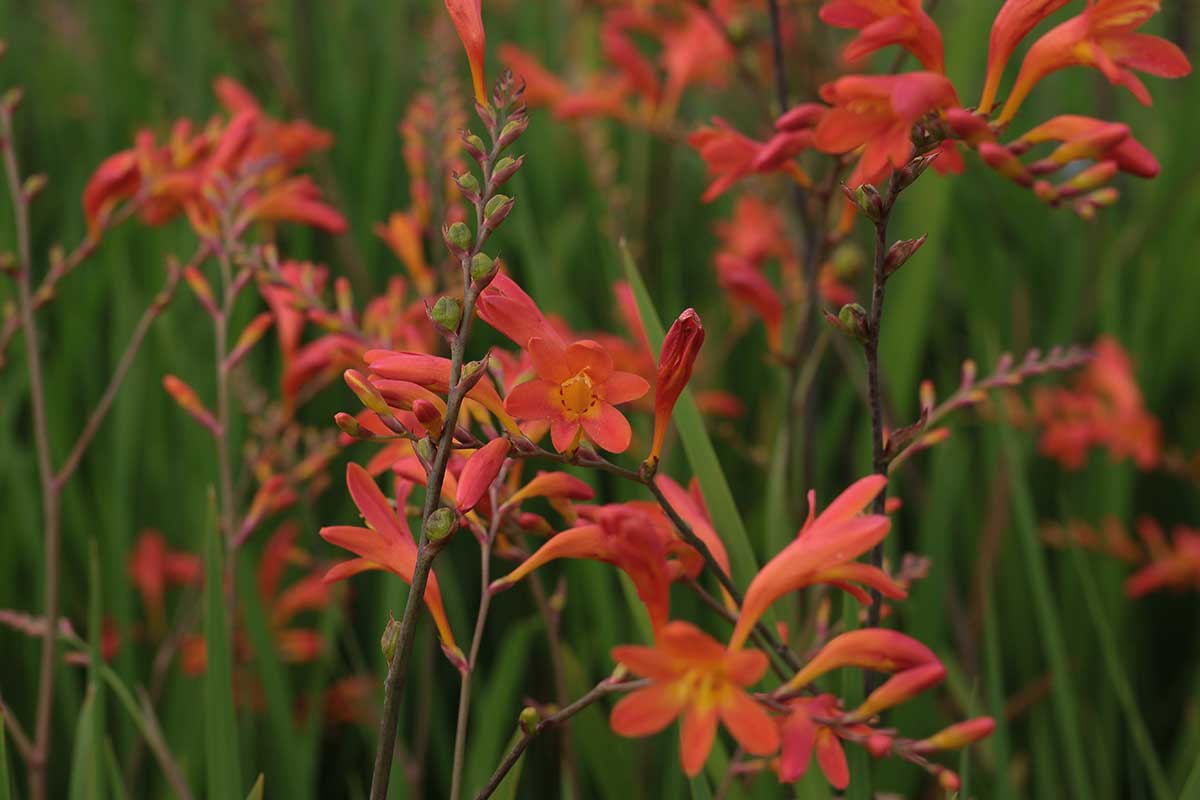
pixel 479 472
pixel 1086 137
pixel 824 552
pixel 675 361
pixel 635 537
pixel 877 113
pixel 1102 36
pixel 886 22
pixel 693 676
pixel 467 16
pixel 1013 23
pixel 577 390
pixel 387 544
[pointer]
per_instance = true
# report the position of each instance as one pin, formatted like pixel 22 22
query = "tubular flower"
pixel 886 22
pixel 467 16
pixel 680 347
pixel 1085 137
pixel 1174 566
pixel 402 235
pixel 747 285
pixel 577 389
pixel 1013 23
pixel 153 566
pixel 385 544
pixel 877 113
pixel 509 309
pixel 554 485
pixel 636 538
pixel 957 736
pixel 1104 37
pixel 801 735
pixel 824 552
pixel 479 472
pixel 692 676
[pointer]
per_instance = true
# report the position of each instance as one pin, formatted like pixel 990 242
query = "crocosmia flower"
pixel 467 16
pixel 577 390
pixel 387 544
pixel 680 347
pixel 886 22
pixel 877 113
pixel 824 552
pixel 1103 36
pixel 1013 23
pixel 692 676
pixel 1172 566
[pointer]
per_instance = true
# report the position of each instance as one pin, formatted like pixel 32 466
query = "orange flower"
pixel 386 544
pixel 823 552
pixel 467 16
pixel 1013 23
pixel 680 347
pixel 542 87
pixel 731 156
pixel 877 113
pixel 637 538
pixel 577 389
pixel 478 474
pixel 402 234
pixel 801 733
pixel 1085 137
pixel 1103 36
pixel 509 309
pixel 747 285
pixel 153 566
pixel 692 676
pixel 1175 566
pixel 1103 407
pixel 887 22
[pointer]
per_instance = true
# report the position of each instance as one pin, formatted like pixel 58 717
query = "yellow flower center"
pixel 704 688
pixel 576 394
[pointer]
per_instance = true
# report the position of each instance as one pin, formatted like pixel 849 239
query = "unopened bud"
pixel 389 639
pixel 34 185
pixel 847 260
pixel 900 252
pixel 957 736
pixel 878 745
pixel 529 719
pixel 428 415
pixel 348 425
pixel 505 168
pixel 482 266
pixel 446 312
pixel 366 393
pixel 344 295
pixel 459 235
pixel 866 198
pixel 440 524
pixel 913 170
pixel 511 131
pixel 497 209
pixel 468 183
pixel 949 780
pixel 852 320
pixel 474 145
pixel 424 448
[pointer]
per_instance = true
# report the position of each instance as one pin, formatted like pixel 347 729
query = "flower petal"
pixel 696 738
pixel 607 427
pixel 750 724
pixel 646 711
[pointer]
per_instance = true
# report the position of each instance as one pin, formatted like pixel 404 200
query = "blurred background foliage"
pixel 1001 272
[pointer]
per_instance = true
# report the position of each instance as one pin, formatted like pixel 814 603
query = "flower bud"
pixel 529 719
pixel 483 267
pixel 468 183
pixel 189 401
pixel 33 185
pixel 900 252
pixel 1001 159
pixel 912 170
pixel 366 393
pixel 249 337
pixel 505 168
pixel 440 524
pixel 458 236
pixel 429 416
pixel 867 199
pixel 447 313
pixel 474 146
pixel 949 780
pixel 496 210
pixel 902 686
pixel 511 131
pixel 675 362
pixel 879 744
pixel 348 425
pixel 201 288
pixel 957 736
pixel 389 639
pixel 852 321
pixel 424 448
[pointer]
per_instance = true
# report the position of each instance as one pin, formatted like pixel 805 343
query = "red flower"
pixel 478 474
pixel 823 552
pixel 1085 137
pixel 692 676
pixel 467 16
pixel 1013 23
pixel 637 538
pixel 877 113
pixel 1103 36
pixel 1175 565
pixel 680 347
pixel 731 156
pixel 386 544
pixel 153 566
pixel 577 389
pixel 887 22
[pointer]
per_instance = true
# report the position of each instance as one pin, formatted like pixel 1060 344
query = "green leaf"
pixel 116 782
pixel 222 768
pixel 1191 789
pixel 85 782
pixel 1142 742
pixel 699 447
pixel 700 788
pixel 507 790
pixel 1049 626
pixel 256 791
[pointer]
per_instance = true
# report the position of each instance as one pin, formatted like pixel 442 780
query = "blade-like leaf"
pixel 256 791
pixel 222 768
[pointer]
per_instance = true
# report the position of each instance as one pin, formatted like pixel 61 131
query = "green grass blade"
pixel 85 781
pixel 700 788
pixel 5 778
pixel 999 742
pixel 699 448
pixel 1116 672
pixel 256 791
pixel 1066 709
pixel 222 768
pixel 507 790
pixel 1191 789
pixel 116 782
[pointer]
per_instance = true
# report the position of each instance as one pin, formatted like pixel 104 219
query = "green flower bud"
pixel 495 204
pixel 529 719
pixel 389 639
pixel 468 183
pixel 459 235
pixel 481 266
pixel 440 524
pixel 447 312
